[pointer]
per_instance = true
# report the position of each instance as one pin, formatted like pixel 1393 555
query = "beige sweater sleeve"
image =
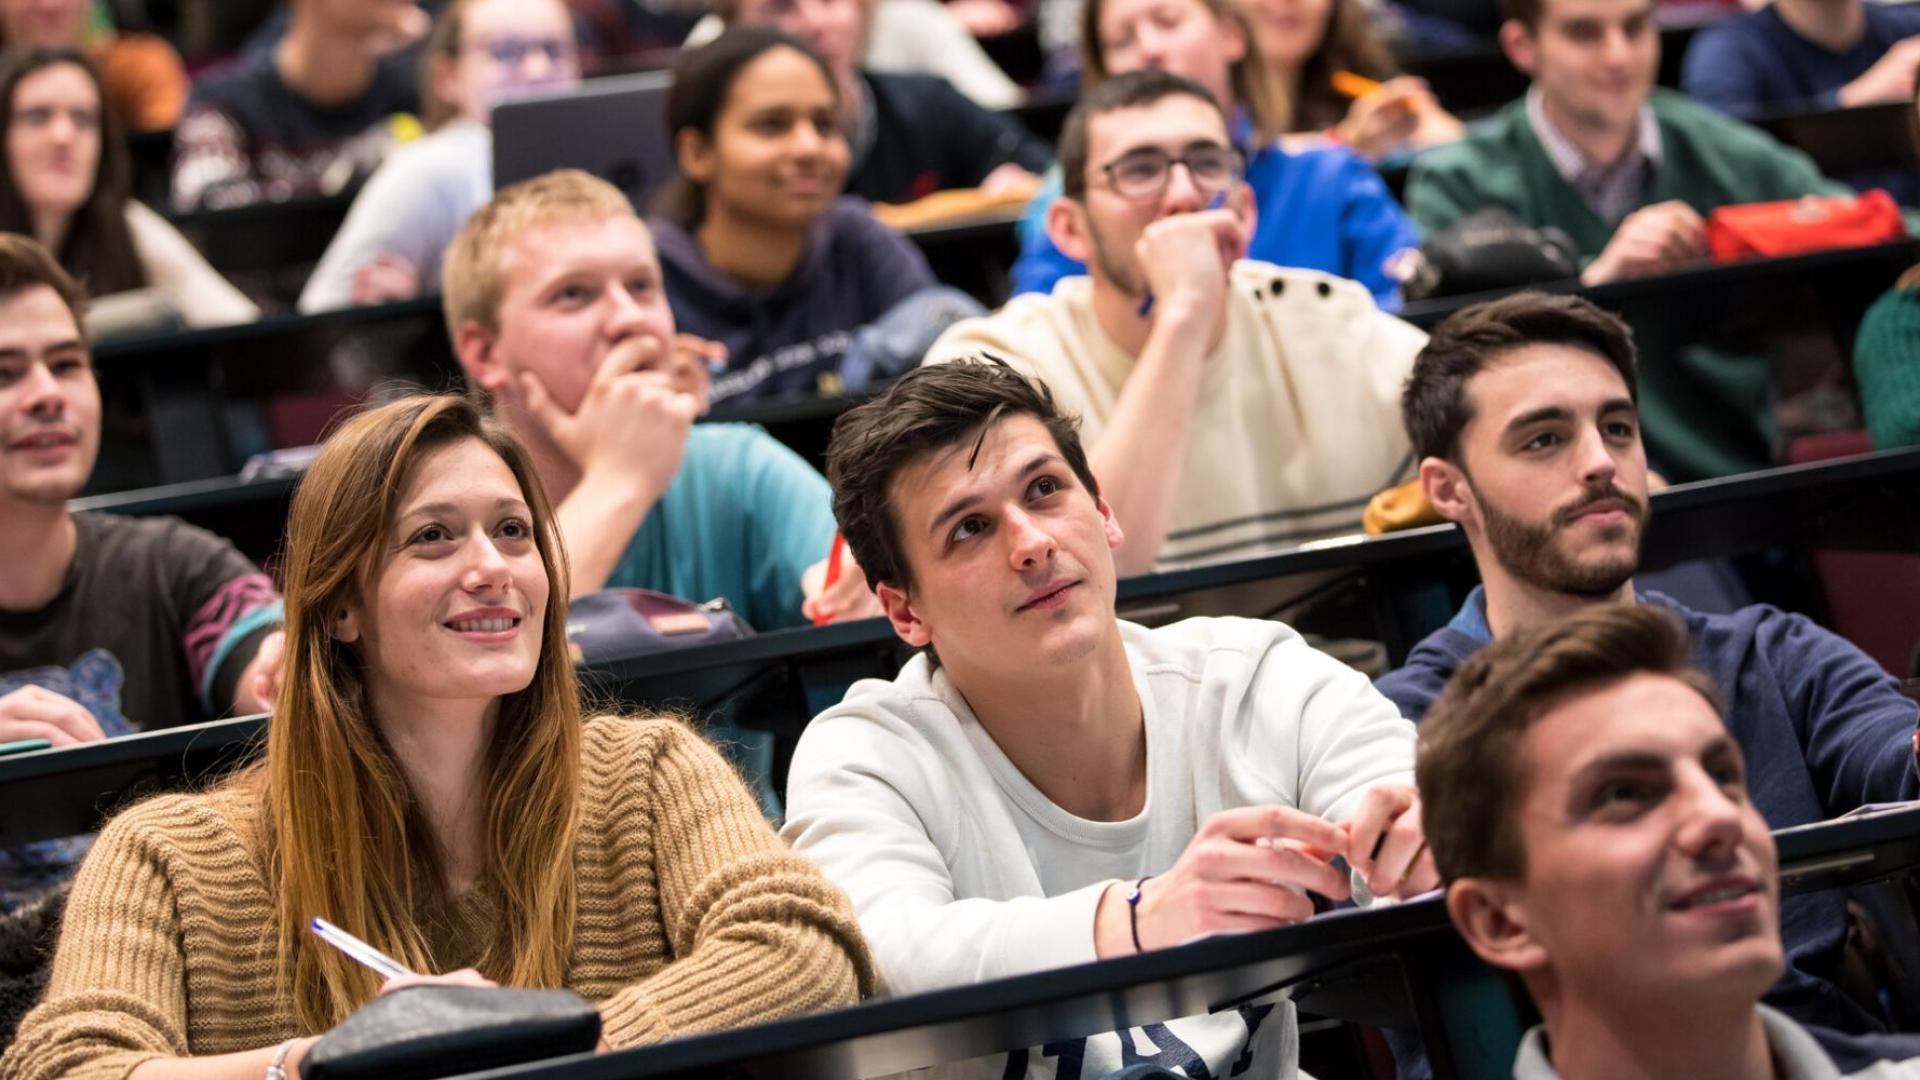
pixel 755 932
pixel 116 995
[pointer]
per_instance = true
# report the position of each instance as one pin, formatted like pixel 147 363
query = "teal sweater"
pixel 1886 364
pixel 1705 413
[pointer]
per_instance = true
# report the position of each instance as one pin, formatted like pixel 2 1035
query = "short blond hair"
pixel 472 275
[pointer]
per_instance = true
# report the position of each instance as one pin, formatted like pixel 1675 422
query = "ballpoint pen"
pixel 381 964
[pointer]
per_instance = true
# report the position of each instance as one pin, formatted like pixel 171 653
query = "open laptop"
pixel 614 128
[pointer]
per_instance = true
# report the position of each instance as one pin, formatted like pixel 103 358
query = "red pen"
pixel 833 575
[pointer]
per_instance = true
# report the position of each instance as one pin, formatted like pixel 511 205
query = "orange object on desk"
pixel 1814 223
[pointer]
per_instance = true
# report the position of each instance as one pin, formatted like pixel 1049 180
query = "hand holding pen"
pixel 397 975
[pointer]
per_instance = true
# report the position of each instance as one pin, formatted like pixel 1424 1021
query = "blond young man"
pixel 554 305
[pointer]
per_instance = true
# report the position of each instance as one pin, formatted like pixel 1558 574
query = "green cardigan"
pixel 1886 364
pixel 1705 412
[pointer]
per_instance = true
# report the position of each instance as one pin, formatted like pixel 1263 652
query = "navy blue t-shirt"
pixel 1756 65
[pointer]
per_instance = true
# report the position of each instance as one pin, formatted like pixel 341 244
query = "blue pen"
pixel 1219 200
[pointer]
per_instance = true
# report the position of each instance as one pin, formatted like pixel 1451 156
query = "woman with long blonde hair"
pixel 430 786
pixel 1318 207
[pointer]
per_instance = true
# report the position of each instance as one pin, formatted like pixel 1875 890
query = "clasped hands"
pixel 1252 869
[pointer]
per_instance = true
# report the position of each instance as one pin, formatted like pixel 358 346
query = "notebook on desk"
pixel 614 128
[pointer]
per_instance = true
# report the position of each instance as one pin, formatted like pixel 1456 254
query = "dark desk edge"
pixel 213 736
pixel 1428 312
pixel 1361 552
pixel 1369 931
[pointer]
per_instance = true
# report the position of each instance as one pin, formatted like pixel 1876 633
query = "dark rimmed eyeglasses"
pixel 1143 174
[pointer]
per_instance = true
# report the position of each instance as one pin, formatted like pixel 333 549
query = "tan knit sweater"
pixel 693 916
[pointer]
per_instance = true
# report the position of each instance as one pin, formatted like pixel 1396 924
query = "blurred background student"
pixel 1317 207
pixel 908 135
pixel 66 181
pixel 144 78
pixel 1312 48
pixel 759 250
pixel 480 53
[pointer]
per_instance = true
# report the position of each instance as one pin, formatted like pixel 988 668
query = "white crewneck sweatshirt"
pixel 961 870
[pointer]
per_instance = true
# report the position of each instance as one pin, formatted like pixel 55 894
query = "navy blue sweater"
pixel 1755 64
pixel 1824 730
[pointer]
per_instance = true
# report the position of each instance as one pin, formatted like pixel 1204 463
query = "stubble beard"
pixel 1531 552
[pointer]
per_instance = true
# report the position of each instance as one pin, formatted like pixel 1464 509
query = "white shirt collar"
pixel 1567 158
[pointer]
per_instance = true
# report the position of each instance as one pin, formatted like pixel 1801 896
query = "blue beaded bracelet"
pixel 1133 912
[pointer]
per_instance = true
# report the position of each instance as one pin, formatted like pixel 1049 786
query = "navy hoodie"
pixel 1824 730
pixel 784 339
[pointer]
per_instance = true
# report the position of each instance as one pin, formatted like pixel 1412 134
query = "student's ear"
pixel 1447 489
pixel 474 345
pixel 1115 537
pixel 1233 40
pixel 694 155
pixel 1517 42
pixel 1067 228
pixel 1494 923
pixel 906 622
pixel 346 626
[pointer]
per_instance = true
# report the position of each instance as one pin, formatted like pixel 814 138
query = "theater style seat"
pixel 1873 597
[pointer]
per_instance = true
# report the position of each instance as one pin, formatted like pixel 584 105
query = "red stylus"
pixel 833 575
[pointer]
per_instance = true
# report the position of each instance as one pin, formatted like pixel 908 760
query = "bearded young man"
pixel 1524 414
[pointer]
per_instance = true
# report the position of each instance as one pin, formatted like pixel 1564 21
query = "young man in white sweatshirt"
pixel 1046 785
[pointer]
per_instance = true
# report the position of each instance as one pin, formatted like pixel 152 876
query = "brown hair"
pixel 927 410
pixel 1348 45
pixel 98 247
pixel 1135 89
pixel 347 839
pixel 1470 767
pixel 703 80
pixel 1525 12
pixel 473 277
pixel 1255 88
pixel 1434 405
pixel 442 48
pixel 25 264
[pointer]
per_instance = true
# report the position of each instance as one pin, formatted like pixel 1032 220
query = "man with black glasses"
pixel 1231 407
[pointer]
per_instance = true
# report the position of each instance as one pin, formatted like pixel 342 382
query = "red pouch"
pixel 1815 223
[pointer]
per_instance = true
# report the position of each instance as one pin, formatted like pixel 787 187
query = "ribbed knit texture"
pixel 1886 363
pixel 693 916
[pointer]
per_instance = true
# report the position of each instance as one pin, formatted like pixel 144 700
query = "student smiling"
pixel 759 250
pixel 430 785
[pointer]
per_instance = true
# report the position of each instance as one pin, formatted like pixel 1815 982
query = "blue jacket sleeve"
pixel 1722 71
pixel 1041 264
pixel 791 528
pixel 1855 724
pixel 1375 228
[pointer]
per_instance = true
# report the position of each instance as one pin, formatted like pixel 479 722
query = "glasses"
pixel 1143 174
pixel 513 51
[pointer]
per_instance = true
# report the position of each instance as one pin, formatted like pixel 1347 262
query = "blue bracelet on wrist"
pixel 1133 912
